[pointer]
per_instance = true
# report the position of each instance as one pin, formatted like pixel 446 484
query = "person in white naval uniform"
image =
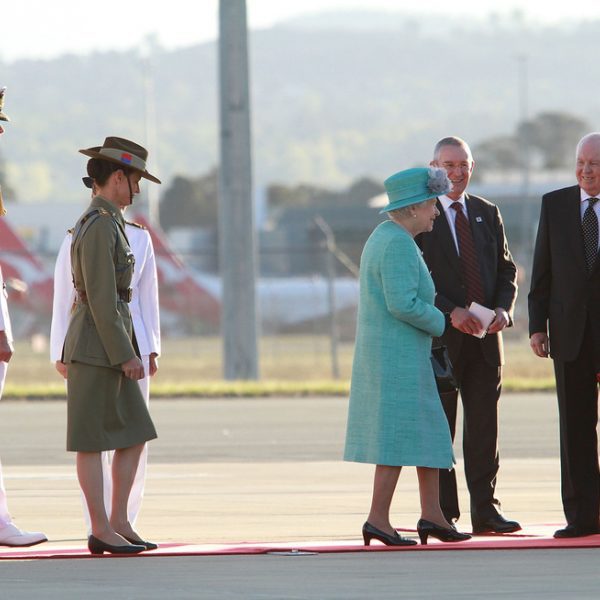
pixel 146 326
pixel 10 534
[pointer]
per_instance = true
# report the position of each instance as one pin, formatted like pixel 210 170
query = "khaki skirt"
pixel 105 410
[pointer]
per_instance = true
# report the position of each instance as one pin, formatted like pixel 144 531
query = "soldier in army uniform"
pixel 144 308
pixel 105 407
pixel 10 534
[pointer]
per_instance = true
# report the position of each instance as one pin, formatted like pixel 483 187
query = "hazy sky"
pixel 45 28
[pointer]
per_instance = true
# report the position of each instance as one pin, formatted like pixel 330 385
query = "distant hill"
pixel 335 97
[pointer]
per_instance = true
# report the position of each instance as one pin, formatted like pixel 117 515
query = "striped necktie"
pixel 468 257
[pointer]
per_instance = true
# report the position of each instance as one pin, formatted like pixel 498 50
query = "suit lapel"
pixel 477 222
pixel 442 229
pixel 571 219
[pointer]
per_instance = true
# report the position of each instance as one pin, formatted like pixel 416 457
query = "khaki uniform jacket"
pixel 100 329
pixel 144 305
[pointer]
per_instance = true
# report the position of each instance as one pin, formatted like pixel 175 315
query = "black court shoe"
pixel 427 528
pixel 369 532
pixel 147 545
pixel 96 546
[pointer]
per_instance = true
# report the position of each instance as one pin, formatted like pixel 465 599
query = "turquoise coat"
pixel 395 413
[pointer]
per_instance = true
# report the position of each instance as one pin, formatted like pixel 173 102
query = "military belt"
pixel 122 295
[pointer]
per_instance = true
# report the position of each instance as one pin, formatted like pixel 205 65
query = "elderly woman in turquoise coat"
pixel 395 415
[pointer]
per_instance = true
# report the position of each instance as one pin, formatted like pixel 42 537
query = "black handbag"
pixel 442 369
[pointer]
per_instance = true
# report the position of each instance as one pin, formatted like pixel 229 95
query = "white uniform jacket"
pixel 4 316
pixel 144 303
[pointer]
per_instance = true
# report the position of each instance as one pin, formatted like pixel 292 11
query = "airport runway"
pixel 270 470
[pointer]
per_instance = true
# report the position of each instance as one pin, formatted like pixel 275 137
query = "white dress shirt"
pixel 451 215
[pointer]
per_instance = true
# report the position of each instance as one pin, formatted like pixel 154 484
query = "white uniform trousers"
pixel 137 490
pixel 4 516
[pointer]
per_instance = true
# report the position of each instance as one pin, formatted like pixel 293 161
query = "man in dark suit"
pixel 562 312
pixel 468 256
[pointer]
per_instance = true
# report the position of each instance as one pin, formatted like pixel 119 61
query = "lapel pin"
pixel 478 219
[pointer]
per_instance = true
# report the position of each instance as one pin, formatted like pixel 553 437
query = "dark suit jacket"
pixel 498 271
pixel 561 289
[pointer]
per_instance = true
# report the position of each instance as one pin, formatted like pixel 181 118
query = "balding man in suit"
pixel 562 308
pixel 468 256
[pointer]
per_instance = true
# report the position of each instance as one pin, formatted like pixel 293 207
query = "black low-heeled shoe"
pixel 147 545
pixel 427 528
pixel 96 546
pixel 369 532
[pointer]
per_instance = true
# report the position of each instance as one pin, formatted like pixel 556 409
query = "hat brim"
pixel 407 202
pixel 93 153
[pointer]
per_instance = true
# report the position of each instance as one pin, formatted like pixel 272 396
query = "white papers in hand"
pixel 484 314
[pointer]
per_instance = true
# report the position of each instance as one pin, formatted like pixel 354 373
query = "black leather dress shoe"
pixel 497 524
pixel 572 531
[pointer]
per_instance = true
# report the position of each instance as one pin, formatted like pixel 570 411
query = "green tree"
pixel 553 135
pixel 190 202
pixel 363 189
pixel 303 195
pixel 357 194
pixel 501 152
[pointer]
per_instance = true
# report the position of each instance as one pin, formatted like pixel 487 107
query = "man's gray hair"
pixel 451 141
pixel 588 137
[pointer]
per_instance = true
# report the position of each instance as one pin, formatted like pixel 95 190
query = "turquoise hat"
pixel 415 185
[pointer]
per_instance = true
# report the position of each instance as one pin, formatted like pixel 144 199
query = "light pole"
pixel 237 243
pixel 150 104
pixel 525 146
pixel 148 49
pixel 330 248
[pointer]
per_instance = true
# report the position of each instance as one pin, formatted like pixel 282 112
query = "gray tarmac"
pixel 269 470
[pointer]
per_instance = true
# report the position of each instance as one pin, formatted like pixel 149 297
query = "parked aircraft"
pixel 28 282
pixel 282 301
pixel 190 300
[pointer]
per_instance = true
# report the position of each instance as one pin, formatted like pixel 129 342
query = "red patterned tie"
pixel 468 256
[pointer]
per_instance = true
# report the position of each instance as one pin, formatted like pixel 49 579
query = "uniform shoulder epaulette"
pixel 88 219
pixel 134 224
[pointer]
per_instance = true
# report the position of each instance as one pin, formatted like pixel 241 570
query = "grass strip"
pixel 248 389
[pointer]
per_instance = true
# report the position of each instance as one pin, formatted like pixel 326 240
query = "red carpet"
pixel 532 536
